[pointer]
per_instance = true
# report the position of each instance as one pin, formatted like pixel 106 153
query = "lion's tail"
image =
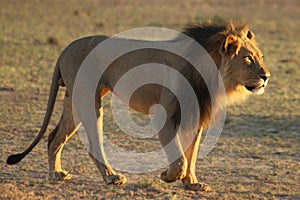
pixel 13 159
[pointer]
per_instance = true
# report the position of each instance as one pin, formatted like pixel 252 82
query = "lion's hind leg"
pixel 108 174
pixel 96 148
pixel 58 137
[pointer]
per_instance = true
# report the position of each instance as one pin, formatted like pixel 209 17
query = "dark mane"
pixel 211 37
pixel 210 34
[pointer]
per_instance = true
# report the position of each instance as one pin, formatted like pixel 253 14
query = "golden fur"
pixel 232 47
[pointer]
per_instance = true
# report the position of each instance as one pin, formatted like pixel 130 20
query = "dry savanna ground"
pixel 257 155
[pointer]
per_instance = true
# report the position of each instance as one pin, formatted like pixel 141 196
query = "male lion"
pixel 231 46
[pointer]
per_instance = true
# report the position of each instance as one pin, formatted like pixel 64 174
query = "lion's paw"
pixel 60 176
pixel 169 177
pixel 197 187
pixel 116 179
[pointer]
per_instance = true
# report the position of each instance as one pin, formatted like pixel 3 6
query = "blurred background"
pixel 257 155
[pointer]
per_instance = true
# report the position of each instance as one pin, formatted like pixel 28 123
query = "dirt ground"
pixel 257 155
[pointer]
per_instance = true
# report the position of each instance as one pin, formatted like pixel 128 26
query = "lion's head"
pixel 233 48
pixel 242 63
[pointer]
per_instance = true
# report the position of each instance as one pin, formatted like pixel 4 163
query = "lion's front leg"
pixel 171 144
pixel 190 181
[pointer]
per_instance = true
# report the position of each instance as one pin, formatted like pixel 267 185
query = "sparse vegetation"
pixel 257 155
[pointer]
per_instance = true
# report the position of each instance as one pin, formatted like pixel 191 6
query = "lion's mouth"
pixel 256 89
pixel 250 88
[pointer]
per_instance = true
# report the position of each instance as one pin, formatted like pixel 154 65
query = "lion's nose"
pixel 265 76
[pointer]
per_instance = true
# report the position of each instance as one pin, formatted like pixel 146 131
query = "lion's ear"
pixel 250 35
pixel 231 45
pixel 247 33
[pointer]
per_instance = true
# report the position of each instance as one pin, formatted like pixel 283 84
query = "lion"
pixel 233 49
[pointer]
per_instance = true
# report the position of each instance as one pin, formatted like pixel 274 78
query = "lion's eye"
pixel 249 59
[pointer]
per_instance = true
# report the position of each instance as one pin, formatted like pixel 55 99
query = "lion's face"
pixel 251 73
pixel 243 65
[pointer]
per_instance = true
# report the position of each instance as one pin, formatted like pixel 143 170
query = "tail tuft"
pixel 14 159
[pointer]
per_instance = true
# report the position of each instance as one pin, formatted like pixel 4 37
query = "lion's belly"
pixel 143 98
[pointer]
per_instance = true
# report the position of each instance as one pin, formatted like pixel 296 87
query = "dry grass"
pixel 257 156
